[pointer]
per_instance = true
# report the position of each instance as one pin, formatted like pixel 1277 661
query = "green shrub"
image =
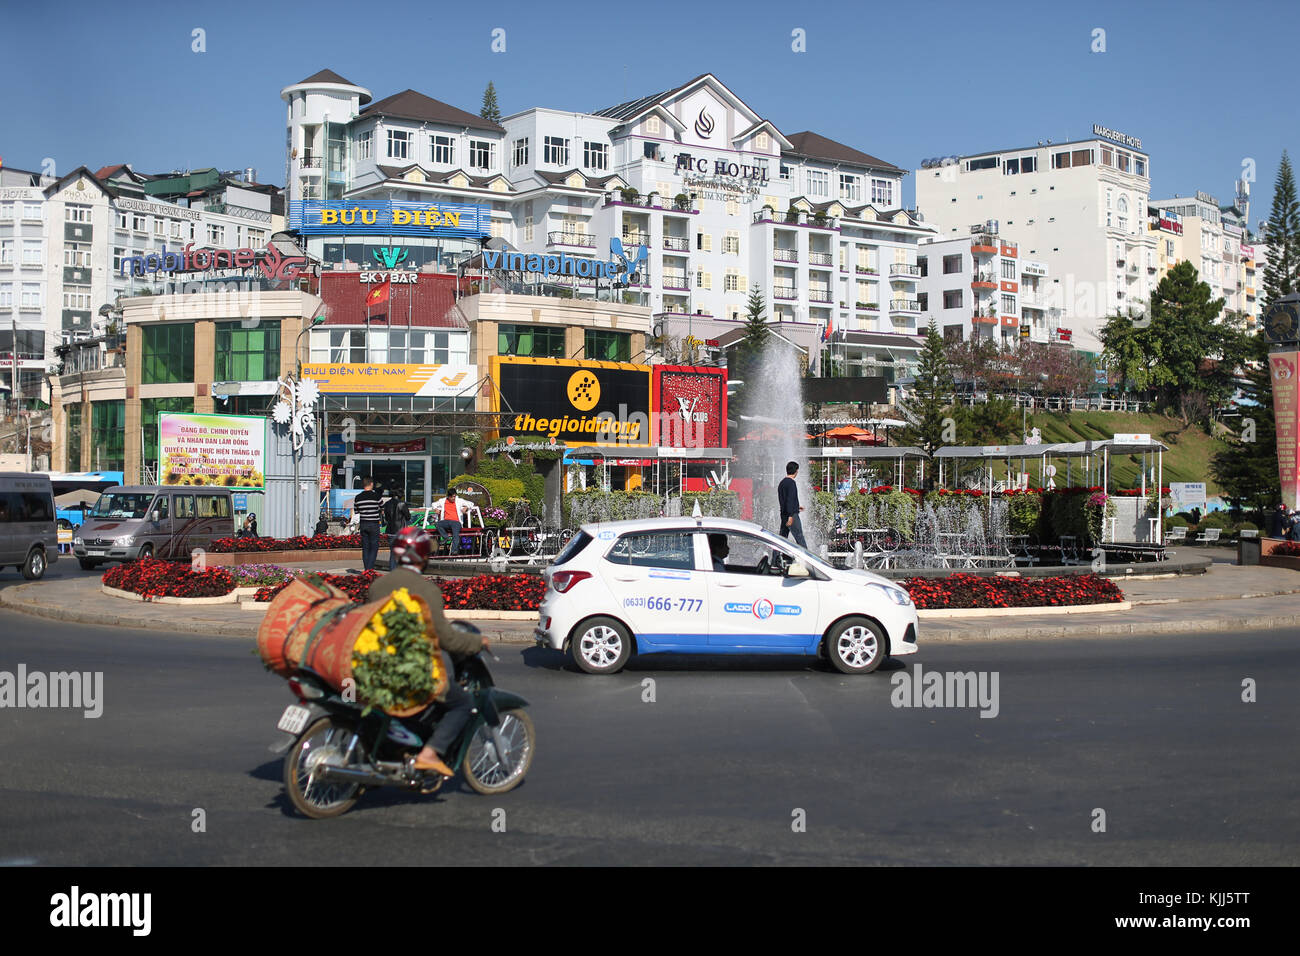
pixel 718 503
pixel 501 489
pixel 1246 526
pixel 1177 521
pixel 1216 519
pixel 581 507
pixel 1024 513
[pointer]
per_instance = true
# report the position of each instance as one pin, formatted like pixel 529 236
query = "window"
pixel 652 126
pixel 399 144
pixel 733 208
pixel 731 243
pixel 818 182
pixel 366 144
pixel 1139 166
pixel 761 141
pixel 6 211
pixel 76 255
pixel 76 297
pixel 216 235
pixel 177 226
pixel 1123 164
pixel 256 238
pixel 1028 164
pixel 107 435
pixel 247 355
pixel 704 242
pixel 882 192
pixel 1008 305
pixel 7 295
pixel 6 252
pixel 987 162
pixel 951 264
pixel 923 263
pixel 655 549
pixel 31 297
pixel 528 227
pixel 1011 167
pixel 521 151
pixel 138 223
pixel 73 213
pixel 538 341
pixel 212 506
pixel 480 154
pixel 1081 157
pixel 159 226
pixel 923 302
pixel 1061 160
pixel 555 150
pixel 595 155
pixel 850 187
pixel 122 222
pixel 731 281
pixel 444 151
pixel 33 211
pixel 703 280
pixel 1107 156
pixel 118 255
pixel 72 437
pixel 150 409
pixel 607 346
pixel 1009 269
pixel 786 172
pixel 1169 248
pixel 167 353
pixel 1121 209
pixel 952 299
pixel 33 252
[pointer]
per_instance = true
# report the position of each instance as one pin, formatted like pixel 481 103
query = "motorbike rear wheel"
pixel 323 741
pixel 483 767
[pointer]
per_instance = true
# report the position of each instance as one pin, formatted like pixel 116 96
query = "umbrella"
pixel 70 499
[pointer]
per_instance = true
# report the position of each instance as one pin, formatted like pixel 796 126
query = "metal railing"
pixel 677 243
pixel 819 295
pixel 637 238
pixel 585 240
pixel 672 281
pixel 821 258
pixel 785 255
pixel 784 292
pixel 309 162
pixel 904 269
pixel 904 305
pixel 984 239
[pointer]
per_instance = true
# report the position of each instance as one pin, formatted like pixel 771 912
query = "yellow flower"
pixel 391 649
pixel 390 606
pixel 355 663
pixel 367 642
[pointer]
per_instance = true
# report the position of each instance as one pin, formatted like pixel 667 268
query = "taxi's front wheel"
pixel 856 645
pixel 601 645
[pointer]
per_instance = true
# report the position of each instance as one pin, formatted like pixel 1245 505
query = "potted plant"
pixel 629 194
pixel 819 218
pixel 792 215
pixel 682 201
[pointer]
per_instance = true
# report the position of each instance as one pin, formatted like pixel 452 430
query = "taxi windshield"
pixel 122 506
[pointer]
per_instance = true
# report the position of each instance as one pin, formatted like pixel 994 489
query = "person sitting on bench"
pixel 451 512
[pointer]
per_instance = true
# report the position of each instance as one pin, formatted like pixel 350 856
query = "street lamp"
pixel 297 343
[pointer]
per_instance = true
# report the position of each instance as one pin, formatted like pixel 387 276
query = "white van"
pixel 153 521
pixel 29 538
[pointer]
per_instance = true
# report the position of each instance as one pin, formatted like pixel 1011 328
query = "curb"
pixel 75 616
pixel 1115 629
pixel 968 612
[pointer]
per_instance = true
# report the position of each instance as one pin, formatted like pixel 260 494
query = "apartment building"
pixel 1078 207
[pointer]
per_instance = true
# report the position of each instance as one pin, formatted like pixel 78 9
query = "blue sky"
pixel 1206 86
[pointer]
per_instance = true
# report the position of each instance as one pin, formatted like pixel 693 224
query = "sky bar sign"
pixel 388 217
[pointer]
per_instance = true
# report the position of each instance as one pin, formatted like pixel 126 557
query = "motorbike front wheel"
pixel 324 742
pixel 484 769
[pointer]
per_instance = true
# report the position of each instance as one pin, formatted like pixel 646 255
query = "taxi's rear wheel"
pixel 601 645
pixel 856 645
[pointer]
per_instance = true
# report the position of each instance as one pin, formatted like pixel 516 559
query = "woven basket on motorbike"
pixel 290 619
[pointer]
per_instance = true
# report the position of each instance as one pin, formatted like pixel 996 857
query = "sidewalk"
pixel 1227 597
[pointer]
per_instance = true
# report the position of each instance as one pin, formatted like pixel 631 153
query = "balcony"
pixel 978 319
pixel 866 271
pixel 677 243
pixel 650 202
pixel 786 292
pixel 984 281
pixel 636 238
pixel 819 295
pixel 676 281
pixel 580 240
pixel 767 214
pixel 821 259
pixel 867 306
pixel 785 255
pixel 904 270
pixel 904 305
pixel 309 162
pixel 984 244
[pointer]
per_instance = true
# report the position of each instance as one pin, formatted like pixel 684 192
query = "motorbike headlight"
pixel 125 542
pixel 76 541
pixel 897 595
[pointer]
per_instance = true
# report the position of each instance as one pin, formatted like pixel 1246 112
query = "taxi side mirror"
pixel 797 570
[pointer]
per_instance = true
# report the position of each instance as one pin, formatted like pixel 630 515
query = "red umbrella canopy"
pixel 848 431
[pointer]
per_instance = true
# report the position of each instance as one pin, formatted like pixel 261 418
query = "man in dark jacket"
pixel 787 493
pixel 410 551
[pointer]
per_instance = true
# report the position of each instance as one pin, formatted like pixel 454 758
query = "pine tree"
pixel 930 422
pixel 1282 235
pixel 490 110
pixel 756 330
pixel 1247 470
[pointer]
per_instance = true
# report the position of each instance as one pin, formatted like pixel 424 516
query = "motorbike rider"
pixel 409 553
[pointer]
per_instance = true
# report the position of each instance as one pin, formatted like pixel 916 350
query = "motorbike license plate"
pixel 294 719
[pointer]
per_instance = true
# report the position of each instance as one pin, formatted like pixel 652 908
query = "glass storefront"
pixel 107 436
pixel 150 409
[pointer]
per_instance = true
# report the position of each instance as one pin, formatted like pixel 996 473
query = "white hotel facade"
pixel 721 198
pixel 1080 208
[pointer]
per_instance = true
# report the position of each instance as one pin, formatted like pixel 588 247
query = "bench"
pixel 1208 536
pixel 1176 534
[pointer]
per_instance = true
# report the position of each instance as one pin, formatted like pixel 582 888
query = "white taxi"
pixel 715 586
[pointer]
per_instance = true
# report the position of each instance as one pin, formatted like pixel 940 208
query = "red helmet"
pixel 410 548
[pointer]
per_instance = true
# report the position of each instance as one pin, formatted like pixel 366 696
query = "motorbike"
pixel 334 753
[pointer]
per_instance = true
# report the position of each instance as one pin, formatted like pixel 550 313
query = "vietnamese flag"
pixel 379 294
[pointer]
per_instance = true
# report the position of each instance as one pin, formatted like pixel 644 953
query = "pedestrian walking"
pixel 366 506
pixel 787 494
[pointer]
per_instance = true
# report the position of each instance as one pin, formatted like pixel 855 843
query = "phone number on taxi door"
pixel 684 605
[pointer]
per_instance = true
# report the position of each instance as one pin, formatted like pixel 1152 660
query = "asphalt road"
pixel 715 770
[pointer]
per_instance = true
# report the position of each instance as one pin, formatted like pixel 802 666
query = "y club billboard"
pixel 580 403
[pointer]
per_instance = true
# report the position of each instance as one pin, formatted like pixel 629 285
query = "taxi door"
pixel 659 592
pixel 755 607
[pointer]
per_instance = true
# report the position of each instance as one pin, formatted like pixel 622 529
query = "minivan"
pixel 142 521
pixel 29 539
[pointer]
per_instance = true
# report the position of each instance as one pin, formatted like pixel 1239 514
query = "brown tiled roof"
pixel 814 146
pixel 106 171
pixel 325 76
pixel 478 182
pixel 409 104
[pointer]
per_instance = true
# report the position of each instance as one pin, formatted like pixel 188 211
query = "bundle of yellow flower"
pixel 395 660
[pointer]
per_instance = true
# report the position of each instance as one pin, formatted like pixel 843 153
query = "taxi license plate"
pixel 94 551
pixel 294 719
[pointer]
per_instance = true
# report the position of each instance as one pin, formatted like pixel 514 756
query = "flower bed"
pixel 317 542
pixel 490 592
pixel 152 579
pixel 260 575
pixel 971 591
pixel 1285 549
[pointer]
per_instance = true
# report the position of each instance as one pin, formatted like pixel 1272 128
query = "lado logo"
pixel 763 609
pixel 1282 369
pixel 704 125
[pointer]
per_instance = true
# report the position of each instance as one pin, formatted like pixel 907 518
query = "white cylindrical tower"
pixel 322 97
